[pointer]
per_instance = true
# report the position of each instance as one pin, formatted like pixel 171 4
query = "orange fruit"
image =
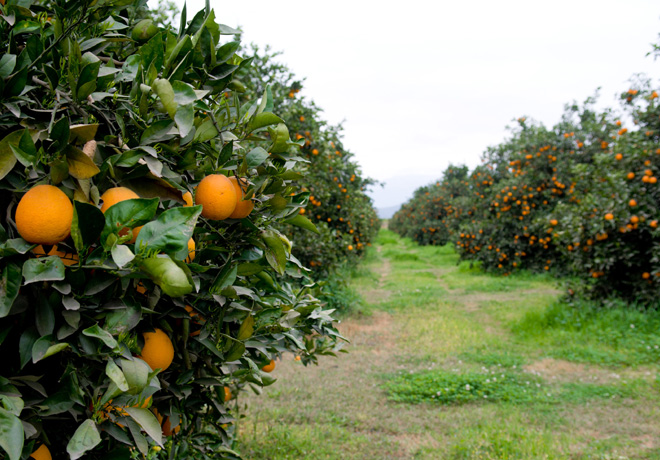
pixel 243 207
pixel 191 251
pixel 44 215
pixel 553 222
pixel 166 425
pixel 113 196
pixel 217 196
pixel 618 156
pixel 158 351
pixel 42 453
pixel 227 394
pixel 632 203
pixel 187 197
pixel 68 258
pixel 631 175
pixel 634 219
pixel 609 216
pixel 269 367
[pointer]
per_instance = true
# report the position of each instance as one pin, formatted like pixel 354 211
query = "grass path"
pixel 446 362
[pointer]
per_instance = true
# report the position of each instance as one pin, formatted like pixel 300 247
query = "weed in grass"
pixel 444 387
pixel 493 358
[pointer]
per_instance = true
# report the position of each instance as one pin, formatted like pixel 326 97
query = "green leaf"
pixel 275 251
pixel 123 319
pixel 184 119
pixel 225 278
pixel 84 439
pixel 303 222
pixel 262 120
pixel 167 274
pixel 165 93
pixel 183 93
pixel 11 434
pixel 101 334
pixel 235 351
pixel 9 287
pixel 171 232
pixel 87 225
pixel 7 65
pixel 226 51
pixel 44 316
pixel 116 375
pixel 256 157
pixel 7 157
pixel 148 422
pixel 160 131
pixel 43 269
pixel 280 138
pixel 25 345
pixel 127 214
pixel 153 53
pixel 60 133
pixel 136 373
pixel 44 348
pixel 122 255
pixel 206 131
pixel 247 328
pixel 80 165
pixel 87 80
pixel 16 83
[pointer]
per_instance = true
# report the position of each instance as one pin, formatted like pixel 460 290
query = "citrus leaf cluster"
pixel 130 333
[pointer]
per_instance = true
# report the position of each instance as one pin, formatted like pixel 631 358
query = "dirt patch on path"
pixel 565 371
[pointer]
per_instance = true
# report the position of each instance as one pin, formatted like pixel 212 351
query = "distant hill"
pixel 388 212
pixel 396 191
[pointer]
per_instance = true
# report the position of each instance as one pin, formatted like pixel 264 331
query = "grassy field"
pixel 446 362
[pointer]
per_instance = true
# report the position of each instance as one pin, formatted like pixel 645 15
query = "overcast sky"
pixel 420 84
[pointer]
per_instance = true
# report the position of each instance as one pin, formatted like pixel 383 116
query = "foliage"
pixel 432 215
pixel 338 205
pixel 581 199
pixel 95 97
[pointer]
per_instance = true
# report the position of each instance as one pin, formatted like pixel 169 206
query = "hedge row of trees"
pixel 141 288
pixel 581 198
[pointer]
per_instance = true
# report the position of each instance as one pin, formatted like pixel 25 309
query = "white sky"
pixel 421 84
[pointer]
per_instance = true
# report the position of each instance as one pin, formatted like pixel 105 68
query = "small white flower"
pixel 632 326
pixel 467 387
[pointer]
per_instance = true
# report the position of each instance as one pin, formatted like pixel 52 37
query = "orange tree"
pixel 343 214
pixel 610 236
pixel 432 215
pixel 136 301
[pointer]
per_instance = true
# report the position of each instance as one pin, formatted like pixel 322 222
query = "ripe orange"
pixel 158 351
pixel 187 197
pixel 618 156
pixel 631 175
pixel 634 219
pixel 269 367
pixel 243 208
pixel 44 215
pixel 217 196
pixel 166 425
pixel 68 258
pixel 42 453
pixel 191 251
pixel 609 216
pixel 553 222
pixel 227 394
pixel 632 203
pixel 113 196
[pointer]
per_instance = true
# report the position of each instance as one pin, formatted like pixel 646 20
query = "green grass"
pixel 432 337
